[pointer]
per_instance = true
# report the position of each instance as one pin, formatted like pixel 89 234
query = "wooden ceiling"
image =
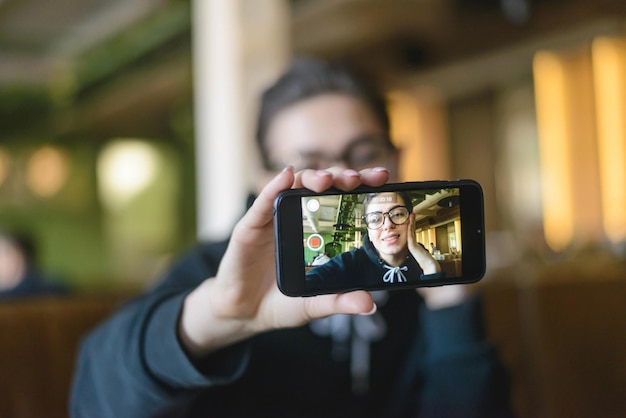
pixel 70 49
pixel 391 37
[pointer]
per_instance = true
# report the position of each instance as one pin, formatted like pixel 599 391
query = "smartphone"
pixel 335 241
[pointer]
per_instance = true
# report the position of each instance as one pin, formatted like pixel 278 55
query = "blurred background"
pixel 123 122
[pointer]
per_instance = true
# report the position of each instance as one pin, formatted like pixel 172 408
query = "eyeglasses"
pixel 397 215
pixel 362 153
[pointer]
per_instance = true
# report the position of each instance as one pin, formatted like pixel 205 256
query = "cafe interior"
pixel 120 121
pixel 333 224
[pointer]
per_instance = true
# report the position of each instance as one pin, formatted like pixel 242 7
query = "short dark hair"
pixel 308 77
pixel 23 242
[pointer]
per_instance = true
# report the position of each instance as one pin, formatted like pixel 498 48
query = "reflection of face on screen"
pixel 339 223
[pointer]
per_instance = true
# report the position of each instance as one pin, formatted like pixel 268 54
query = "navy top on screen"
pixel 363 268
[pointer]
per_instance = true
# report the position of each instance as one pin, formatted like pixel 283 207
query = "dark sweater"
pixel 363 268
pixel 429 363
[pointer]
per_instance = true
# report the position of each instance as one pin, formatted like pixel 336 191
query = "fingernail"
pixel 288 168
pixel 373 311
pixel 381 169
pixel 323 173
pixel 351 173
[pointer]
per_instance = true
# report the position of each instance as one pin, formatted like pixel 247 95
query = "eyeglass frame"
pixel 383 143
pixel 408 215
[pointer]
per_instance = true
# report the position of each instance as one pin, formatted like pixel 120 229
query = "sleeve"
pixel 134 365
pixel 332 271
pixel 462 375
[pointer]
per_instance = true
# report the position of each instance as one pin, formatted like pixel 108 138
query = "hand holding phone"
pixel 369 237
pixel 243 295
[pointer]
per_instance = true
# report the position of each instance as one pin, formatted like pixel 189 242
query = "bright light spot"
pixel 313 205
pixel 609 60
pixel 125 168
pixel 554 149
pixel 46 171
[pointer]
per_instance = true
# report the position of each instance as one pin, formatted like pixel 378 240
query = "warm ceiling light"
pixel 609 70
pixel 558 216
pixel 418 127
pixel 46 171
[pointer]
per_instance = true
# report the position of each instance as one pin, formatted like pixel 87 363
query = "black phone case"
pixel 289 237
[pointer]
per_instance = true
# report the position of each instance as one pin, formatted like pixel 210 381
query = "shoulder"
pixel 194 265
pixel 356 255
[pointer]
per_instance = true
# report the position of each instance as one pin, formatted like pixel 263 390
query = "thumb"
pixel 261 211
pixel 357 302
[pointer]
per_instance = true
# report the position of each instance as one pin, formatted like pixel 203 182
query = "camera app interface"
pixel 387 238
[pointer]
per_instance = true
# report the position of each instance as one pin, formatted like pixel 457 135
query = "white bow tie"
pixel 352 336
pixel 393 272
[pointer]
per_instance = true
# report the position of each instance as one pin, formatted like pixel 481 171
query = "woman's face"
pixel 390 240
pixel 328 130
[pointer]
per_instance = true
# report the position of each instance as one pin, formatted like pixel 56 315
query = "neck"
pixel 395 260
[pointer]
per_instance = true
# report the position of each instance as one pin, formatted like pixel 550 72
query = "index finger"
pixel 376 176
pixel 341 178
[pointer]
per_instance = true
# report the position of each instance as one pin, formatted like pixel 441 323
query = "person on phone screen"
pixel 389 255
pixel 321 258
pixel 217 338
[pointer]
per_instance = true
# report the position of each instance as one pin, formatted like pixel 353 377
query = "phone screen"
pixel 393 237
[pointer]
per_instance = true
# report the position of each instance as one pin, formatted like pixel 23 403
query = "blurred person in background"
pixel 216 338
pixel 20 275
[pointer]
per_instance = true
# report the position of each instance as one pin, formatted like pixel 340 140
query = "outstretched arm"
pixel 169 344
pixel 243 299
pixel 462 374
